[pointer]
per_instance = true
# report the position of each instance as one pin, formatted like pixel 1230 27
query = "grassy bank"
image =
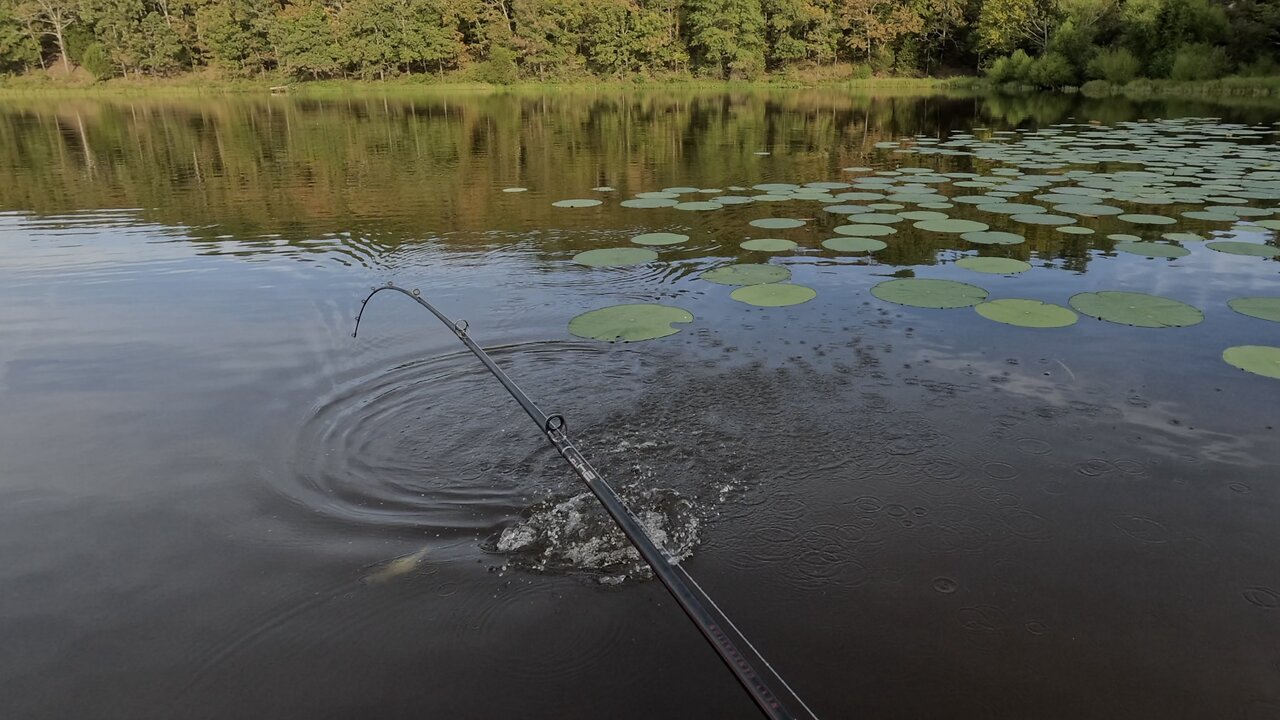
pixel 212 84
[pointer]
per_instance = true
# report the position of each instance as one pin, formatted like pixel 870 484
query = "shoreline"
pixel 200 86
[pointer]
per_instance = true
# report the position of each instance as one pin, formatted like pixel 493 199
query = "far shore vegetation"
pixel 1099 47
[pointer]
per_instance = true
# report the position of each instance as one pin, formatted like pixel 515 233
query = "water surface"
pixel 913 513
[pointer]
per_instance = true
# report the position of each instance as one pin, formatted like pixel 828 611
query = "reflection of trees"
pixel 373 173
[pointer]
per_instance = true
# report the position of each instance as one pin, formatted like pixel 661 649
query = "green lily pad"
pixel 680 190
pixel 918 292
pixel 768 245
pixel 865 230
pixel 734 200
pixel 853 244
pixel 747 274
pixel 1152 249
pixel 993 237
pixel 1261 360
pixel 774 294
pixel 776 223
pixel 951 225
pixel 1044 219
pixel 1244 248
pixel 515 189
pixel 699 205
pixel 1207 216
pixel 659 238
pixel 648 203
pixel 1124 237
pixel 1268 224
pixel 629 323
pixel 576 203
pixel 1089 210
pixel 1138 309
pixel 1008 208
pixel 1026 313
pixel 1181 236
pixel 879 218
pixel 1073 230
pixel 1263 308
pixel 1139 219
pixel 846 209
pixel 994 265
pixel 615 257
pixel 657 195
pixel 923 215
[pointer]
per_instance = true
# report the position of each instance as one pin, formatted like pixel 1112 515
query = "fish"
pixel 395 567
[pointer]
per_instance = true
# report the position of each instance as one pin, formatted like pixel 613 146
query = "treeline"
pixel 1043 42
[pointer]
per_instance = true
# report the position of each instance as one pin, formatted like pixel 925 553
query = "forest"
pixel 1047 43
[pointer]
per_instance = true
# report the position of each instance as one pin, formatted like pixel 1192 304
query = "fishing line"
pixel 765 686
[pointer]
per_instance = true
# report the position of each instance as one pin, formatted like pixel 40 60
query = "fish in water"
pixel 395 567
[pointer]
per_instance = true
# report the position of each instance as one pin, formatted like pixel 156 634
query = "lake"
pixel 216 503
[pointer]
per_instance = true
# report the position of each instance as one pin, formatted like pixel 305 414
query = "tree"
pixel 50 19
pixel 869 24
pixel 800 30
pixel 939 22
pixel 305 40
pixel 18 48
pixel 235 33
pixel 1007 24
pixel 727 35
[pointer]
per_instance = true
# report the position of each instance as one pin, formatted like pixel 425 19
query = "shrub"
pixel 1013 68
pixel 500 68
pixel 861 71
pixel 1097 88
pixel 1115 65
pixel 1264 66
pixel 95 60
pixel 1199 62
pixel 1052 70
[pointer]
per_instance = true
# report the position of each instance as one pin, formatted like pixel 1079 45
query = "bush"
pixel 95 60
pixel 1116 65
pixel 862 71
pixel 1264 66
pixel 1052 70
pixel 1097 88
pixel 1199 62
pixel 1013 68
pixel 500 68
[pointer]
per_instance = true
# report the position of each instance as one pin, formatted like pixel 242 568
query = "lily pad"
pixel 648 203
pixel 847 209
pixel 1243 248
pixel 923 215
pixel 1044 219
pixel 994 265
pixel 1139 219
pixel 853 244
pixel 1268 224
pixel 1263 308
pixel 879 218
pixel 629 323
pixel 576 203
pixel 951 225
pixel 768 245
pixel 926 293
pixel 865 230
pixel 615 257
pixel 747 274
pixel 699 205
pixel 774 294
pixel 515 189
pixel 1137 309
pixel 659 238
pixel 1008 208
pixel 1153 249
pixel 1207 216
pixel 1026 313
pixel 1261 360
pixel 1089 210
pixel 993 237
pixel 776 223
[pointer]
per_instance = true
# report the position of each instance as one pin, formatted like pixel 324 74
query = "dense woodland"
pixel 1042 42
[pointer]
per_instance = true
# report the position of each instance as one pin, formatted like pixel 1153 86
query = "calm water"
pixel 913 513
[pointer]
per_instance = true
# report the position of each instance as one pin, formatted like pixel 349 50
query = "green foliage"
pixel 499 69
pixel 95 60
pixel 1052 70
pixel 1199 62
pixel 1115 65
pixel 548 40
pixel 727 36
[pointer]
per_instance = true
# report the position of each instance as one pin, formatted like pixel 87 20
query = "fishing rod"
pixel 765 686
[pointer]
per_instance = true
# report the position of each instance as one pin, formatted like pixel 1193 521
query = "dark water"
pixel 913 513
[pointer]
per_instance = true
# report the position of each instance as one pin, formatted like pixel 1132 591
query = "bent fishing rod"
pixel 765 686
